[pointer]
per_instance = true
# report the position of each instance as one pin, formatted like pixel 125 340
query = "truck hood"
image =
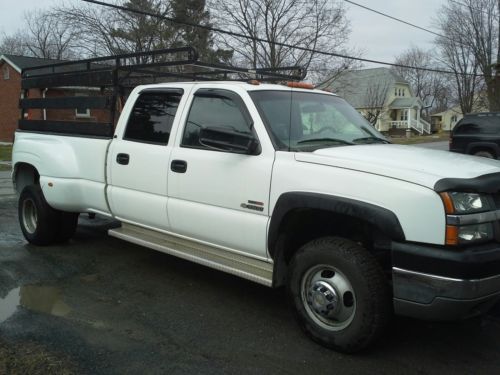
pixel 409 163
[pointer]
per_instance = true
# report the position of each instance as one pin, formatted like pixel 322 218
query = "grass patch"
pixel 421 139
pixel 30 358
pixel 4 168
pixel 5 153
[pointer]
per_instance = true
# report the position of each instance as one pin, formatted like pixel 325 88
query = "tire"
pixel 340 294
pixel 67 226
pixel 485 154
pixel 39 222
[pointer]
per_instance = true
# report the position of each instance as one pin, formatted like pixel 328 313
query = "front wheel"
pixel 340 294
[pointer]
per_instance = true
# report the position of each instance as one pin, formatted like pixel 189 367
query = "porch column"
pixel 418 116
pixel 408 112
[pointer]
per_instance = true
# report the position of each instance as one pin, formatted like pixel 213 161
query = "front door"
pixel 217 196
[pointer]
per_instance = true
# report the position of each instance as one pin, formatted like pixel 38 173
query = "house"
pixel 446 120
pixel 11 67
pixel 383 97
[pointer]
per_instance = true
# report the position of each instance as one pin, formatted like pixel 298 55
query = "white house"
pixel 383 97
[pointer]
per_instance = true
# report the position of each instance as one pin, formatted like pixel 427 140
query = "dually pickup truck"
pixel 283 186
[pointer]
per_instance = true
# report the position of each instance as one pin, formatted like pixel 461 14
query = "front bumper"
pixel 437 283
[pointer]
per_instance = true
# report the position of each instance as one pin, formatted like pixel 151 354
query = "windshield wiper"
pixel 372 139
pixel 311 140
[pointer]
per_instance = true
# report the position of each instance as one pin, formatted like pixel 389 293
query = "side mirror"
pixel 224 139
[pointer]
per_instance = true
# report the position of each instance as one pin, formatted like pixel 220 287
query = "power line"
pixel 239 35
pixel 400 20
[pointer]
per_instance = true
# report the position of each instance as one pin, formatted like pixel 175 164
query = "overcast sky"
pixel 378 37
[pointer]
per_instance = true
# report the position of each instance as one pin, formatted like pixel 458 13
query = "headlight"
pixel 470 217
pixel 465 203
pixel 466 234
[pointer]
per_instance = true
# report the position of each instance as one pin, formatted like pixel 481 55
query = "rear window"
pixel 151 119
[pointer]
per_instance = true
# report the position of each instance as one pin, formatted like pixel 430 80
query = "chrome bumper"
pixel 433 297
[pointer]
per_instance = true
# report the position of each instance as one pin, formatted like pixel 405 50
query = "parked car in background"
pixel 477 134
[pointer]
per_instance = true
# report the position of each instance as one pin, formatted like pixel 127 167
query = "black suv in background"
pixel 477 134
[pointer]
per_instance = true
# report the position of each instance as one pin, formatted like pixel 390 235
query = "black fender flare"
pixel 483 145
pixel 381 218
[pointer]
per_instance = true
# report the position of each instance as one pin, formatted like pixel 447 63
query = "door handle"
pixel 179 166
pixel 122 159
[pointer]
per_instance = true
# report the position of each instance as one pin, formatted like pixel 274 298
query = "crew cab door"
pixel 218 195
pixel 138 159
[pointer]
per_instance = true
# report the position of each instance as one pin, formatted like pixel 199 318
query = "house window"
pixel 403 92
pixel 82 112
pixel 404 115
pixel 6 72
pixel 395 92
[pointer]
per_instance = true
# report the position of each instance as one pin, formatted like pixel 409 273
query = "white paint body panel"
pixel 74 165
pixel 419 209
pixel 413 164
pixel 205 202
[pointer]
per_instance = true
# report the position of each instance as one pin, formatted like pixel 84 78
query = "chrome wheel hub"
pixel 30 216
pixel 328 297
pixel 323 298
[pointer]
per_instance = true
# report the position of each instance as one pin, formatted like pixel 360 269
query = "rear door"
pixel 139 156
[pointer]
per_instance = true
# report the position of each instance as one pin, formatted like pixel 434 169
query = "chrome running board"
pixel 248 268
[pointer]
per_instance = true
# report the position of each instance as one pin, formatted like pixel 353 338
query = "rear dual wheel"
pixel 340 294
pixel 40 223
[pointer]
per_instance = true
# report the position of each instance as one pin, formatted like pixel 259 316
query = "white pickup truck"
pixel 285 187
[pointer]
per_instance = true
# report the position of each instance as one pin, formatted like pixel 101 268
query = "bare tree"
pixel 43 36
pixel 470 45
pixel 374 100
pixel 458 56
pixel 430 87
pixel 315 24
pixel 106 31
pixel 47 36
pixel 109 31
pixel 13 44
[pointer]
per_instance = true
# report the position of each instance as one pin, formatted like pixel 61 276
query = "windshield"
pixel 302 121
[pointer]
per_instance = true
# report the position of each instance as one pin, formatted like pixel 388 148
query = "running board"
pixel 223 260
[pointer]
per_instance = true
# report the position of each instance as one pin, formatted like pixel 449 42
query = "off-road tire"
pixel 39 222
pixel 67 226
pixel 371 293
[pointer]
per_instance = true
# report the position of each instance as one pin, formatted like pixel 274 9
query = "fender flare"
pixel 383 219
pixel 483 144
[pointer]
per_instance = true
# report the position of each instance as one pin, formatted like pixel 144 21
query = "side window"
pixel 152 117
pixel 467 128
pixel 220 109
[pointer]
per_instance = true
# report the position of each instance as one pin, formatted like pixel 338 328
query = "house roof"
pixel 400 103
pixel 455 110
pixel 22 62
pixel 353 85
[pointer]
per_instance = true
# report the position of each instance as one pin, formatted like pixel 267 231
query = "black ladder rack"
pixel 113 77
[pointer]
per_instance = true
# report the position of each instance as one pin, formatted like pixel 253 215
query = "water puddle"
pixel 43 299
